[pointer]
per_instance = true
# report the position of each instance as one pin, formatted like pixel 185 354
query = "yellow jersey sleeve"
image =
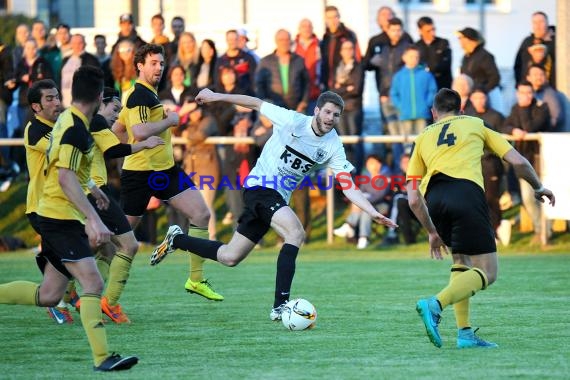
pixel 497 143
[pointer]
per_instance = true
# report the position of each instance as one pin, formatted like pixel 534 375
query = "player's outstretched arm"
pixel 356 197
pixel 208 96
pixel 524 170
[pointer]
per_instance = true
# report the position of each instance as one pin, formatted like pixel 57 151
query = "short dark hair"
pixel 425 21
pixel 480 89
pixel 100 36
pixel 110 93
pixel 537 66
pixel 524 82
pixel 447 100
pixel 541 13
pixel 177 18
pixel 35 92
pixel 395 21
pixel 330 97
pixel 65 26
pixel 144 51
pixel 87 84
pixel 374 156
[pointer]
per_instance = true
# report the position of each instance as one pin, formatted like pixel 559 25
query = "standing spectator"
pixel 388 62
pixel 79 57
pixel 127 32
pixel 233 121
pixel 412 92
pixel 283 80
pixel 47 49
pixel 7 84
pixel 491 164
pixel 123 66
pixel 187 56
pixel 177 98
pixel 544 92
pixel 281 76
pixel 205 70
pixel 158 38
pixel 31 68
pixel 100 42
pixel 39 34
pixel 376 43
pixel 177 27
pixel 22 35
pixel 306 45
pixel 435 52
pixel 201 158
pixel 243 39
pixel 529 116
pixel 542 33
pixel 348 83
pixel 243 63
pixel 463 85
pixel 63 40
pixel 377 192
pixel 480 65
pixel 330 45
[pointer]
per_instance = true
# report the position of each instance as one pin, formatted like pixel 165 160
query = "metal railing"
pixel 227 140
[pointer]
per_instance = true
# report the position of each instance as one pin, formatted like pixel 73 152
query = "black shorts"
pixel 34 222
pixel 260 205
pixel 137 187
pixel 461 216
pixel 113 217
pixel 62 241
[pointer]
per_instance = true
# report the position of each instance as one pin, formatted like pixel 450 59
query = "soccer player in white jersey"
pixel 300 145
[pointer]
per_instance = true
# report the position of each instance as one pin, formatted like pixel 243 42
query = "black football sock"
pixel 285 273
pixel 202 247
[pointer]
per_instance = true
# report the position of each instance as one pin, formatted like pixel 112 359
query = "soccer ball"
pixel 299 314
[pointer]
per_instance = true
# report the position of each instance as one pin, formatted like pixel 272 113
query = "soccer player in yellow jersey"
pixel 45 102
pixel 450 204
pixel 68 222
pixel 153 172
pixel 112 258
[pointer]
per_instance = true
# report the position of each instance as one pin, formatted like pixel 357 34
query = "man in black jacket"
pixel 330 45
pixel 435 52
pixel 542 33
pixel 480 65
pixel 375 44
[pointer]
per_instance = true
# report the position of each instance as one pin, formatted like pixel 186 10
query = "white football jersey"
pixel 293 152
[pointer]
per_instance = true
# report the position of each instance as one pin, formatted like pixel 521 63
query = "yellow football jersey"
pixel 71 147
pixel 454 146
pixel 104 139
pixel 141 106
pixel 36 140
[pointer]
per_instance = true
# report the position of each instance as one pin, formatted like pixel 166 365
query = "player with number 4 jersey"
pixel 450 204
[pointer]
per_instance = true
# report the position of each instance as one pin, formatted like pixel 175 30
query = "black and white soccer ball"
pixel 299 314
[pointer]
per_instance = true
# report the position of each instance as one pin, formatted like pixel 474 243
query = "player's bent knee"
pixel 296 237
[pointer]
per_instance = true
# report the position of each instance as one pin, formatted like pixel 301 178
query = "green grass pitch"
pixel 367 325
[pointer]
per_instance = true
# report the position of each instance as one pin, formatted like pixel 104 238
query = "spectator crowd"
pixel 407 75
